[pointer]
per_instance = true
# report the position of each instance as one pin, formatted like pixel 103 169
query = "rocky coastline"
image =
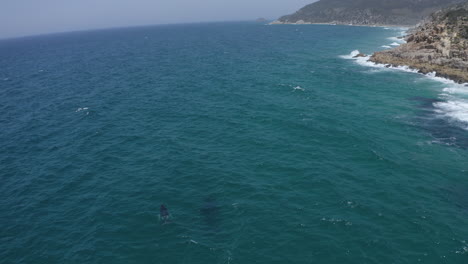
pixel 334 23
pixel 439 44
pixel 365 12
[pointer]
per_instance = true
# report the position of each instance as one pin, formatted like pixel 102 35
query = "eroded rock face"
pixel 439 44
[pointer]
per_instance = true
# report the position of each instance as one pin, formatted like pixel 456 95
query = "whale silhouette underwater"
pixel 164 214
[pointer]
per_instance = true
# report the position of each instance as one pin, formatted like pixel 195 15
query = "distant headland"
pixel 365 12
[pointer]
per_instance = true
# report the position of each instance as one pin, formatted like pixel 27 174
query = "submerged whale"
pixel 211 213
pixel 163 213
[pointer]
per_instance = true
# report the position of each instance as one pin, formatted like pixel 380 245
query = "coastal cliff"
pixel 439 44
pixel 365 12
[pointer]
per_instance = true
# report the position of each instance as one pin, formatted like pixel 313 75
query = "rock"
pixel 277 22
pixel 360 55
pixel 439 44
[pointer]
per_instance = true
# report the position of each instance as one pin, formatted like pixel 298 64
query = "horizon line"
pixel 122 27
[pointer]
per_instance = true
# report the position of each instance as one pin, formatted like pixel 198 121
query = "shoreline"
pixel 424 69
pixel 276 22
pixel 366 61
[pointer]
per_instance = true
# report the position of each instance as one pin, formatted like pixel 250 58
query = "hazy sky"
pixel 27 17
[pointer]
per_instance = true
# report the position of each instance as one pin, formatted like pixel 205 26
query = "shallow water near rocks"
pixel 265 144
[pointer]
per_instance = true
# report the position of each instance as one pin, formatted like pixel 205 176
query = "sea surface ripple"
pixel 265 145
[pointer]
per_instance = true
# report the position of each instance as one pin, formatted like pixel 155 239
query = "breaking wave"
pixel 453 104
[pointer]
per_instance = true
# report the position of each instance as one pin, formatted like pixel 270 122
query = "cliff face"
pixel 439 44
pixel 365 12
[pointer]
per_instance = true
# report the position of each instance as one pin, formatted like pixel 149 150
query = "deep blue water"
pixel 265 145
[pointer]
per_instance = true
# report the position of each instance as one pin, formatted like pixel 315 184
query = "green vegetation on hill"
pixel 366 12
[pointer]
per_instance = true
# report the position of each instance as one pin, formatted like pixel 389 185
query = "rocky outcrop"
pixel 365 12
pixel 439 44
pixel 360 55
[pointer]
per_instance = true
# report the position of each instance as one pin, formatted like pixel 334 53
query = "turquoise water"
pixel 265 145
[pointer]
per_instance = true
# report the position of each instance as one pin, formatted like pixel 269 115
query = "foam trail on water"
pixel 461 90
pixel 353 54
pixel 364 61
pixel 397 40
pixel 298 88
pixel 455 110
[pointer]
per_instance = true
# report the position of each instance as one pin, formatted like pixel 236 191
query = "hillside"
pixel 365 12
pixel 439 44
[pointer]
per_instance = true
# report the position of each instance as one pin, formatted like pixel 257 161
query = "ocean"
pixel 267 144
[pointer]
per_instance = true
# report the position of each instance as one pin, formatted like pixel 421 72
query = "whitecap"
pixel 386 46
pixel 353 54
pixel 397 40
pixel 81 109
pixel 456 89
pixel 433 76
pixel 455 110
pixel 298 88
pixel 364 61
pixel 395 44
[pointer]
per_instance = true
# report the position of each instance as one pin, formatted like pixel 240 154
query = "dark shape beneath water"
pixel 163 213
pixel 210 212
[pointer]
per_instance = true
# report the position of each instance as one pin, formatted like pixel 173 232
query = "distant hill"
pixel 366 12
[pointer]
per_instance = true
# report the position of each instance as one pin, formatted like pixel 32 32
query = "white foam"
pixel 458 89
pixel 353 54
pixel 386 46
pixel 81 109
pixel 456 109
pixel 395 44
pixel 364 61
pixel 396 40
pixel 298 88
pixel 433 76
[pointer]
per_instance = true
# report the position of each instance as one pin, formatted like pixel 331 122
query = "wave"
pixel 395 44
pixel 298 88
pixel 397 40
pixel 459 89
pixel 386 46
pixel 453 107
pixel 455 110
pixel 81 109
pixel 353 54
